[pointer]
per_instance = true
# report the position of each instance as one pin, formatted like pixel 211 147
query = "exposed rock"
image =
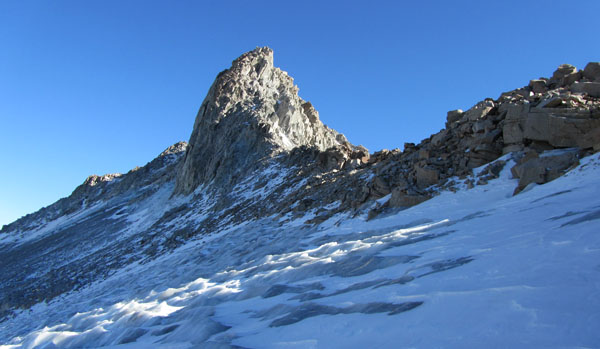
pixel 552 102
pixel 592 139
pixel 439 138
pixel 252 111
pixel 592 71
pixel 558 131
pixel 483 126
pixel 493 170
pixel 423 154
pixel 514 122
pixel 564 74
pixel 479 110
pixel 542 169
pixel 379 187
pixel 538 86
pixel 402 199
pixel 332 159
pixel 426 176
pixel 453 116
pixel 360 153
pixel 591 88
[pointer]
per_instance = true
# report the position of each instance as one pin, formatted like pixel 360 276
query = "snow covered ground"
pixel 475 268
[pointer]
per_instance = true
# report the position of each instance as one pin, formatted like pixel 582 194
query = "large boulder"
pixel 591 88
pixel 566 74
pixel 592 71
pixel 540 169
pixel 453 116
pixel 332 159
pixel 558 131
pixel 402 199
pixel 538 86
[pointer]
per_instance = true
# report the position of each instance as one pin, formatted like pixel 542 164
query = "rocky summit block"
pixel 252 111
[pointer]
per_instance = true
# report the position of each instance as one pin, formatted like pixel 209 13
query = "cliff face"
pixel 252 111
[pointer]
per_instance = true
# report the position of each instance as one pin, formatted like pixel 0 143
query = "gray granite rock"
pixel 252 111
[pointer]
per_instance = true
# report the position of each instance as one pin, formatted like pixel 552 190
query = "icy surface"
pixel 475 268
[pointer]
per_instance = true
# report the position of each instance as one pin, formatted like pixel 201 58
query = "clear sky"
pixel 94 87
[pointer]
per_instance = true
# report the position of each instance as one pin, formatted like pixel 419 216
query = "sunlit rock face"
pixel 251 111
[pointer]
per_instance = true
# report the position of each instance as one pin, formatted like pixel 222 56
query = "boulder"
pixel 591 88
pixel 453 116
pixel 426 176
pixel 352 164
pixel 379 187
pixel 592 71
pixel 512 131
pixel 439 138
pixel 482 126
pixel 558 131
pixel 538 86
pixel 564 73
pixel 401 199
pixel 479 110
pixel 592 139
pixel 552 102
pixel 331 159
pixel 361 153
pixel 408 147
pixel 540 169
pixel 512 148
pixel 571 78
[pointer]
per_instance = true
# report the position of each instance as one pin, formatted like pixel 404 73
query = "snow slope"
pixel 474 268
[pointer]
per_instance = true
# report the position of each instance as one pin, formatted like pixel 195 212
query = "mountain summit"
pixel 251 111
pixel 270 230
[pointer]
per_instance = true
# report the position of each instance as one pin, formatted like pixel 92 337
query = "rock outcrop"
pixel 562 112
pixel 252 111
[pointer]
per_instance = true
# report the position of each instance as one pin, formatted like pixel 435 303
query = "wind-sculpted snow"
pixel 475 268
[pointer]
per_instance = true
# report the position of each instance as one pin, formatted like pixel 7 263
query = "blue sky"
pixel 94 87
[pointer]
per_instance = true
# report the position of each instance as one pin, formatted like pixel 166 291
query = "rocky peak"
pixel 252 111
pixel 174 149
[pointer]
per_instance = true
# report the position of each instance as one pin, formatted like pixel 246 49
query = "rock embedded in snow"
pixel 533 168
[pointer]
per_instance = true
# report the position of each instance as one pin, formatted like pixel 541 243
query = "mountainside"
pixel 269 229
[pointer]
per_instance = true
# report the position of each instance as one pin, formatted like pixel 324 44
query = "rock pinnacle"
pixel 251 111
